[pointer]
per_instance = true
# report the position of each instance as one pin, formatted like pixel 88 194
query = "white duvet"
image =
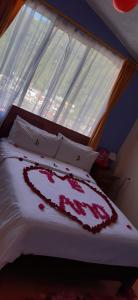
pixel 25 229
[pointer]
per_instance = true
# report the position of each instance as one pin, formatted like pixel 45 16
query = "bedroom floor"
pixel 19 284
pixel 16 289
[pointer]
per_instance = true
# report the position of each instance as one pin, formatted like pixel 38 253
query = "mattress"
pixel 25 229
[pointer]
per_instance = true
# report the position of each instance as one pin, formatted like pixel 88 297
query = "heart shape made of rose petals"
pixel 75 198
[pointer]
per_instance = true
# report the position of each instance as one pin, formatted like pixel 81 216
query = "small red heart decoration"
pixel 124 5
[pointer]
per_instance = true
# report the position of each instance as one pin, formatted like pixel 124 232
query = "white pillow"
pixel 31 138
pixel 76 154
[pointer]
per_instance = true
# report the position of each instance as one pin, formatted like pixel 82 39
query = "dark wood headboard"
pixel 40 123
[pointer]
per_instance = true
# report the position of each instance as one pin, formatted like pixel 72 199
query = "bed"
pixel 30 225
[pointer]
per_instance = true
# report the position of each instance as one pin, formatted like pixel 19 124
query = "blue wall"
pixel 122 117
pixel 125 112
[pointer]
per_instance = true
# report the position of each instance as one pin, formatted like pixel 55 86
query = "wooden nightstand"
pixel 105 179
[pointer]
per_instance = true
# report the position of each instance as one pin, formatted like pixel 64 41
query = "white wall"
pixel 127 167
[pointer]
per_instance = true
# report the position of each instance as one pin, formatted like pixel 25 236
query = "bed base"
pixel 72 271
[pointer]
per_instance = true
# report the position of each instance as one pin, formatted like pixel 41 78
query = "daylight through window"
pixel 52 69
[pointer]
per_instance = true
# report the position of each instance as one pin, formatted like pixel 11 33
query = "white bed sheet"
pixel 24 229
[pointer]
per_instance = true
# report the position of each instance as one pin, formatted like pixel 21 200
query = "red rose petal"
pixel 20 159
pixel 41 206
pixel 128 226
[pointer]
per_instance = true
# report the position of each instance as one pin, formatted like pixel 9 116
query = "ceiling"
pixel 123 25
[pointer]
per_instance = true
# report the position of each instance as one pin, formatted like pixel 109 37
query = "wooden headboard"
pixel 40 123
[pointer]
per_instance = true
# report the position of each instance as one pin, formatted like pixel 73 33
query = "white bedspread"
pixel 25 229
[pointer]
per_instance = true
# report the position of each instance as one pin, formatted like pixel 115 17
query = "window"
pixel 52 69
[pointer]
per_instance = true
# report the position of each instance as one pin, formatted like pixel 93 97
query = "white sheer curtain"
pixel 50 68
